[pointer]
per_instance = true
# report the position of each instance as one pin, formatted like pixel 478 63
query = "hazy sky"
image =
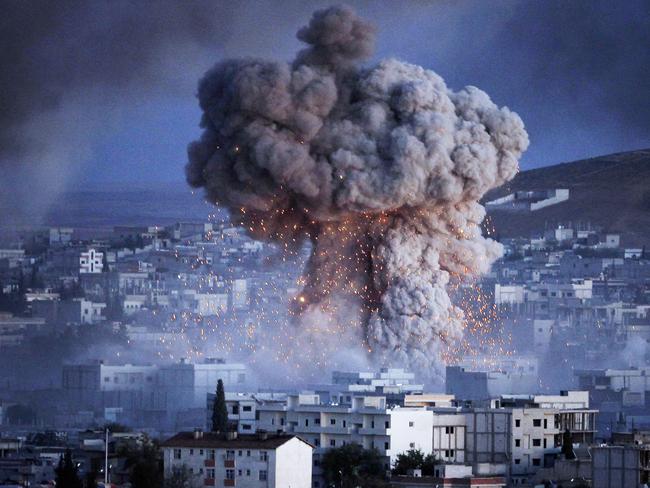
pixel 104 91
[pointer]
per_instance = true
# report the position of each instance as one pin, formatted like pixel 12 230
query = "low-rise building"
pixel 247 461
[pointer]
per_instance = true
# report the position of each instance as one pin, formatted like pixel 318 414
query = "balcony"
pixel 333 429
pixel 229 463
pixel 373 431
pixel 208 482
pixel 228 482
pixel 208 463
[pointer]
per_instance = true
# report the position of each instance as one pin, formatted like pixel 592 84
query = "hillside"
pixel 612 192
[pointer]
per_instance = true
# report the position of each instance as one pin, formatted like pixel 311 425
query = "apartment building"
pixel 247 461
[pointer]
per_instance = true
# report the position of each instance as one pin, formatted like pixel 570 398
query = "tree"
pixel 220 410
pixel 90 480
pixel 567 445
pixel 180 478
pixel 352 466
pixel 67 475
pixel 145 465
pixel 429 465
pixel 411 459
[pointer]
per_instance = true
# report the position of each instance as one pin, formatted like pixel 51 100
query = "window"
pixel 248 453
pixel 536 462
pixel 230 455
pixel 282 421
pixel 332 443
pixel 262 476
pixel 345 424
pixel 107 379
pixel 332 421
pixel 230 474
pixel 517 461
pixel 177 453
pixel 247 408
pixel 537 442
pixel 201 452
pixel 372 424
pixel 263 455
pixel 545 423
pixel 317 442
pixel 317 421
pixel 191 452
pixel 411 424
pixel 239 453
pixel 387 445
pixel 537 422
pixel 544 443
pixel 235 409
pixel 211 454
pixel 246 427
pixel 517 423
pixel 209 473
pixel 387 424
pixel 306 422
pixel 240 473
pixel 248 472
pixel 449 453
pixel 449 430
pixel 517 442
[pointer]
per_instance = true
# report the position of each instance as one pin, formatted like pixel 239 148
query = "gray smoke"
pixel 380 168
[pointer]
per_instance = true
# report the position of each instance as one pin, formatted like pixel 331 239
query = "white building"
pixel 91 262
pixel 365 421
pixel 508 294
pixel 247 461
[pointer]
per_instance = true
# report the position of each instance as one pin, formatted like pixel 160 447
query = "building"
pixel 476 382
pixel 625 466
pixel 529 201
pixel 91 262
pixel 247 461
pixel 448 476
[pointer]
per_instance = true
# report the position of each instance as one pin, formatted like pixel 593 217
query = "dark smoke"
pixel 380 168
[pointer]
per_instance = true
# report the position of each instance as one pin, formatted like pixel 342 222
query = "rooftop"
pixel 217 440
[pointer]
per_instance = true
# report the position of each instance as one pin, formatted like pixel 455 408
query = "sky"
pixel 103 92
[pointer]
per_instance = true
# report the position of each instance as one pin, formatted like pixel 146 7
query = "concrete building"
pixel 529 201
pixel 247 461
pixel 476 382
pixel 620 466
pixel 91 262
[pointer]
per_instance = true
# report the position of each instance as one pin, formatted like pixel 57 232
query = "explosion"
pixel 381 168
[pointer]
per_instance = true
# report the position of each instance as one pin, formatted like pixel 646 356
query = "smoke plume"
pixel 380 168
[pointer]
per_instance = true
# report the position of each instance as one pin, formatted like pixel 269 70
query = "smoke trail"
pixel 380 168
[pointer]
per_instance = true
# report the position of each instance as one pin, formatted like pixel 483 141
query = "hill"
pixel 612 192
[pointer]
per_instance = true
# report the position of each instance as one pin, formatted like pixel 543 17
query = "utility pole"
pixel 106 460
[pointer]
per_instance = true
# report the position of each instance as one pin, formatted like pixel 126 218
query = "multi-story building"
pixel 91 262
pixel 247 461
pixel 626 466
pixel 149 394
pixel 524 432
